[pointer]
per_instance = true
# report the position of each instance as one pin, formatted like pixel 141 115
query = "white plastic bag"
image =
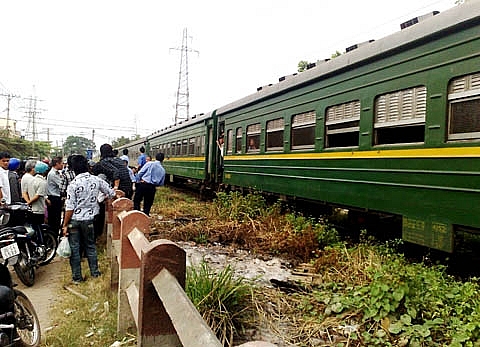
pixel 63 249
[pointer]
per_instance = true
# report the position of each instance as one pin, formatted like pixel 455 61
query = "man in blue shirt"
pixel 142 159
pixel 150 176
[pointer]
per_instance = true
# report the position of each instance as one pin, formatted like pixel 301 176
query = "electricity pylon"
pixel 182 106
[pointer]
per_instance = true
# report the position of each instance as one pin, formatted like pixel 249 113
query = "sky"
pixel 103 69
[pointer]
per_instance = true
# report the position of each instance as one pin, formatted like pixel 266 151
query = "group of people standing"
pixel 79 189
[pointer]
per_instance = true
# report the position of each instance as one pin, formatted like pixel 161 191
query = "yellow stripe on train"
pixel 450 152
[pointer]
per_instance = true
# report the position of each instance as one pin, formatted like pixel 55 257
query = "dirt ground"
pixel 43 293
pixel 49 278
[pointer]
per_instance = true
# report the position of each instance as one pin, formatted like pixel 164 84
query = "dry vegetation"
pixel 180 217
pixel 361 296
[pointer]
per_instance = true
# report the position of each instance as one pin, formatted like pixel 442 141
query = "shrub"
pixel 234 206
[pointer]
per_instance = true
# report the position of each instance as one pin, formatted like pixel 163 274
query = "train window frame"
pixel 274 134
pixel 191 146
pixel 399 117
pixel 173 152
pixel 464 91
pixel 184 147
pixel 303 124
pixel 342 125
pixel 238 140
pixel 202 148
pixel 178 149
pixel 253 138
pixel 229 141
pixel 198 145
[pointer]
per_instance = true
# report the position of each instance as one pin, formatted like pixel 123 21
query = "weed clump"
pixel 221 299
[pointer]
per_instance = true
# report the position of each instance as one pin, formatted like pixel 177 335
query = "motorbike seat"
pixel 18 230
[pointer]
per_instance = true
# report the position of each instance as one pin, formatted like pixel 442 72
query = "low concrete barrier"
pixel 150 279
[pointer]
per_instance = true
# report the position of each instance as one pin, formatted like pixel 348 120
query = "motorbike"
pixel 22 245
pixel 19 323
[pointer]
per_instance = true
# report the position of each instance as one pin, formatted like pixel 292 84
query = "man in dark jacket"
pixel 114 169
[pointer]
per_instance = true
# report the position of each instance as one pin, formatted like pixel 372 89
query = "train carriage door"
pixel 221 151
pixel 210 152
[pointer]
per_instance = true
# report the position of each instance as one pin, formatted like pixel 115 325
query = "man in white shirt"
pixel 81 207
pixel 4 182
pixel 27 178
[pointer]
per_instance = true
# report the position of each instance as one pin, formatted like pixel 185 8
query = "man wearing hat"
pixel 37 192
pixel 14 180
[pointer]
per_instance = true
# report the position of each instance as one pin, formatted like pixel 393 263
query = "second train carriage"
pixel 393 127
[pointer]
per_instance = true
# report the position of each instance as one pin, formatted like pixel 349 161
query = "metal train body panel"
pixel 429 179
pixel 393 127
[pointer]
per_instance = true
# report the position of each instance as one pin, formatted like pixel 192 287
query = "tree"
pixel 77 145
pixel 302 65
pixel 123 141
pixel 336 54
pixel 22 149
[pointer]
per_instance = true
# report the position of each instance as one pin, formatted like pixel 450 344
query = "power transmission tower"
pixel 182 107
pixel 9 98
pixel 32 121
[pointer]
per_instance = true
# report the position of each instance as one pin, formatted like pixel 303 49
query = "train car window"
pixel 303 130
pixel 253 137
pixel 174 149
pixel 464 108
pixel 168 153
pixel 275 130
pixel 229 141
pixel 238 141
pixel 198 145
pixel 178 149
pixel 400 116
pixel 202 143
pixel 342 125
pixel 191 146
pixel 184 147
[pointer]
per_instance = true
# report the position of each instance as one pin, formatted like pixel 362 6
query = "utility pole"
pixel 182 107
pixel 9 98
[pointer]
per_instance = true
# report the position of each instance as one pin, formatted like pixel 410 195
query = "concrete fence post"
pixel 154 324
pixel 129 265
pixel 113 236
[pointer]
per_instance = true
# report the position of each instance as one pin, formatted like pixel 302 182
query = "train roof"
pixel 457 16
pixel 199 118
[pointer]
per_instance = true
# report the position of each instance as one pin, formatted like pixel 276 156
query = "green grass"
pixel 222 300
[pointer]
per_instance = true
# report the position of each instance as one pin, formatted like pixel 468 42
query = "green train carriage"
pixel 393 127
pixel 189 148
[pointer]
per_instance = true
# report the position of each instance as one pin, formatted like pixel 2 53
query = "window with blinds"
pixel 400 116
pixel 253 137
pixel 198 145
pixel 184 147
pixel 342 125
pixel 303 130
pixel 191 146
pixel 178 148
pixel 464 108
pixel 274 135
pixel 238 141
pixel 229 141
pixel 202 145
